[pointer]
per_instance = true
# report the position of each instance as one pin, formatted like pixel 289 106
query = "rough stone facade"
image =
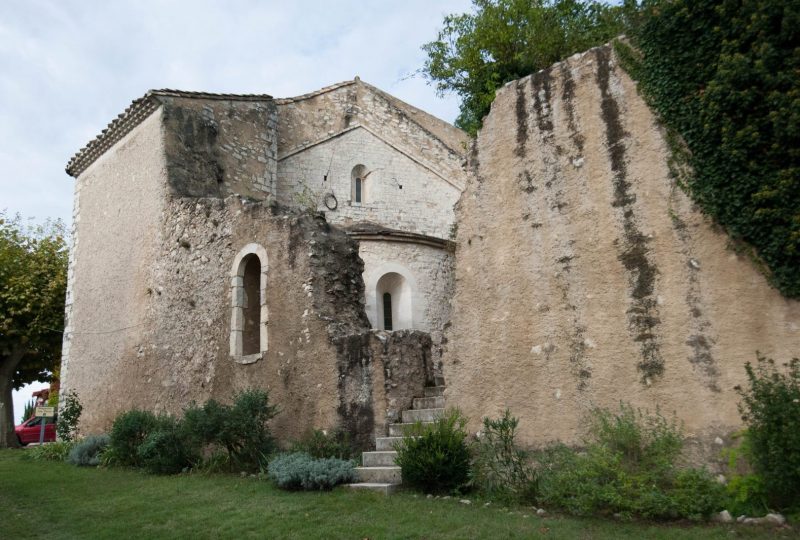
pixel 584 276
pixel 178 199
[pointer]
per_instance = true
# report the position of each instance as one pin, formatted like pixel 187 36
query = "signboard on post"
pixel 44 412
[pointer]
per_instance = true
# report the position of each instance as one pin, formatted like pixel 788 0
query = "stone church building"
pixel 345 250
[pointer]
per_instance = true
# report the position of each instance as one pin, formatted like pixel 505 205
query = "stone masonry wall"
pixel 118 205
pixel 423 204
pixel 216 148
pixel 584 276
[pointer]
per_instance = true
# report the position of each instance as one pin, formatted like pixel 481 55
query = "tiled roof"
pixel 138 110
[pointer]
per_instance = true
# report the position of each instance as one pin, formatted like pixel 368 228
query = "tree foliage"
pixel 502 40
pixel 725 74
pixel 33 278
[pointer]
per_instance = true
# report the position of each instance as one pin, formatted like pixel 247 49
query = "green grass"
pixel 57 500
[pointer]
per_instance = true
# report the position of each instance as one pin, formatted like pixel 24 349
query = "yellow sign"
pixel 45 411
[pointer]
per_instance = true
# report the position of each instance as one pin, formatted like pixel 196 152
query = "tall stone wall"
pixel 119 201
pixel 584 276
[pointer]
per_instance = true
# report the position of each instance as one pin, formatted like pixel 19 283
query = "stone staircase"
pixel 378 471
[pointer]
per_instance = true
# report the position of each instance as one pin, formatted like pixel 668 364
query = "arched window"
pixel 358 177
pixel 393 296
pixel 249 314
pixel 387 311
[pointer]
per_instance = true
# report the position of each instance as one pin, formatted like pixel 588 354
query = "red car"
pixel 29 431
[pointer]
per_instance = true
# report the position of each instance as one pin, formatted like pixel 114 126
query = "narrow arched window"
pixel 358 189
pixel 251 310
pixel 249 315
pixel 387 311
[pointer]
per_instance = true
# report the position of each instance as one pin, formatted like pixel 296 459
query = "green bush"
pixel 69 416
pixel 322 444
pixel 241 429
pixel 87 452
pixel 299 470
pixel 434 457
pixel 499 469
pixel 167 449
pixel 128 432
pixel 771 409
pixel 628 468
pixel 54 451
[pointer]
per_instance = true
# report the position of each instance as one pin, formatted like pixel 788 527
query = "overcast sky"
pixel 67 68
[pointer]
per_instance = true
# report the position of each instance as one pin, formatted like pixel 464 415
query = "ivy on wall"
pixel 725 74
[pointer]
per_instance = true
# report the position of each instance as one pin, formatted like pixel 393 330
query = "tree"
pixel 33 279
pixel 502 40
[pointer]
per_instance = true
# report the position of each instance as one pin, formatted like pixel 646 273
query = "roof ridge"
pixel 323 90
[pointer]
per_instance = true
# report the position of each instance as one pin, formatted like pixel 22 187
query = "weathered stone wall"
pixel 220 147
pixel 119 201
pixel 380 373
pixel 584 276
pixel 308 120
pixel 399 192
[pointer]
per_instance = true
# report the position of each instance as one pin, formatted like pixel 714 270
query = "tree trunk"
pixel 8 365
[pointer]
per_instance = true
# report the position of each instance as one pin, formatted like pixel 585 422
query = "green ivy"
pixel 725 75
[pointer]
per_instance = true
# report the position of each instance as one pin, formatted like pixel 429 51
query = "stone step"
pixel 433 402
pixel 400 430
pixel 421 415
pixel 379 475
pixel 386 443
pixel 379 487
pixel 433 391
pixel 378 459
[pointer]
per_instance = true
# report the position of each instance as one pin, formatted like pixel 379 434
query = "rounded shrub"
pixel 435 457
pixel 167 450
pixel 87 452
pixel 128 432
pixel 300 471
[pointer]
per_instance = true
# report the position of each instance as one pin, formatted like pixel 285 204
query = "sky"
pixel 67 68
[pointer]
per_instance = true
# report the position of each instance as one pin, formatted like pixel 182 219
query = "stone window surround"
pixel 237 304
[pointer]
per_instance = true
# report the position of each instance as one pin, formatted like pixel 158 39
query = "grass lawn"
pixel 56 500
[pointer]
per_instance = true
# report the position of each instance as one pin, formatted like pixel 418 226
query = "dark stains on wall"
pixel 522 119
pixel 700 341
pixel 401 359
pixel 356 407
pixel 643 315
pixel 567 96
pixel 194 164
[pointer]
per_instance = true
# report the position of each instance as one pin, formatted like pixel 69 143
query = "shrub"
pixel 167 449
pixel 86 452
pixel 241 429
pixel 322 444
pixel 771 408
pixel 299 470
pixel 499 469
pixel 628 467
pixel 128 432
pixel 435 457
pixel 68 416
pixel 54 451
